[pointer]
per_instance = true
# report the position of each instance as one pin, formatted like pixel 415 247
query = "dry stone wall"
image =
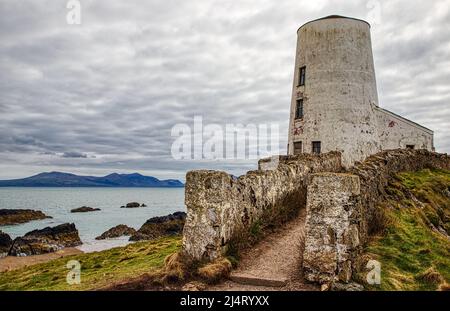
pixel 222 208
pixel 342 210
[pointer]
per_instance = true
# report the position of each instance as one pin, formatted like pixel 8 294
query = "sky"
pixel 103 96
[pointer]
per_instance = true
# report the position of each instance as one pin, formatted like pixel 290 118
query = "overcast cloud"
pixel 102 96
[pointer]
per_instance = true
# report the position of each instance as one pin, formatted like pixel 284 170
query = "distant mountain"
pixel 58 179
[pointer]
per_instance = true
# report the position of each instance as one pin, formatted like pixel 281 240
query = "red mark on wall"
pixel 297 130
pixel 392 123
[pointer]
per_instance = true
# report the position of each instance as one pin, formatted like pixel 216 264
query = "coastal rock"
pixel 47 240
pixel 143 205
pixel 160 226
pixel 84 209
pixel 116 231
pixel 5 244
pixel 19 216
pixel 131 205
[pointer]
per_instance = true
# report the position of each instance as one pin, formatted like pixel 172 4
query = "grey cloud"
pixel 114 86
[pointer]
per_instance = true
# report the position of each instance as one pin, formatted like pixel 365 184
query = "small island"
pixel 19 216
pixel 84 209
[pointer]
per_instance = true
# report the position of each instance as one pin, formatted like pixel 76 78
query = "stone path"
pixel 272 264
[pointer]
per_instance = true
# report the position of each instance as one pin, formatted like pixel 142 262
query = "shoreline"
pixel 10 263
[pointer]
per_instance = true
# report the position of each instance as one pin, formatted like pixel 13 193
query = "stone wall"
pixel 222 208
pixel 342 210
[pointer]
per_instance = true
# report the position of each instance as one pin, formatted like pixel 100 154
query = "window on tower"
pixel 299 109
pixel 298 147
pixel 316 147
pixel 302 76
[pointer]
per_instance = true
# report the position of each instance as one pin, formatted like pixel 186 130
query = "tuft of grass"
pixel 215 271
pixel 177 268
pixel 414 250
pixel 98 269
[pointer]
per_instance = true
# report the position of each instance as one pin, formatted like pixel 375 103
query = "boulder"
pixel 19 216
pixel 84 209
pixel 5 244
pixel 116 231
pixel 47 240
pixel 143 205
pixel 131 205
pixel 161 226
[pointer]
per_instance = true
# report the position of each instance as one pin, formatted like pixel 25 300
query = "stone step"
pixel 246 279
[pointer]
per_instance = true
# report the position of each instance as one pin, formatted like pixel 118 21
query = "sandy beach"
pixel 13 263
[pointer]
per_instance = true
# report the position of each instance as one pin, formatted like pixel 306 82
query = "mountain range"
pixel 58 179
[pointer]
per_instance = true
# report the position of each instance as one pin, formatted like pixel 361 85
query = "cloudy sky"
pixel 103 96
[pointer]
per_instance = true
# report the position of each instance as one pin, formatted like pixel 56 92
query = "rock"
pixel 194 286
pixel 84 209
pixel 47 240
pixel 5 244
pixel 350 287
pixel 143 205
pixel 160 226
pixel 19 216
pixel 131 205
pixel 116 231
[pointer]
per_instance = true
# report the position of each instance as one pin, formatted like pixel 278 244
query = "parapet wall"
pixel 342 210
pixel 222 208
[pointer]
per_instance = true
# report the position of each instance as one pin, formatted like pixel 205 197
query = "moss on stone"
pixel 414 249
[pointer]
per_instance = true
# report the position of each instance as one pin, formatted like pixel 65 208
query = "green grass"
pixel 97 269
pixel 413 255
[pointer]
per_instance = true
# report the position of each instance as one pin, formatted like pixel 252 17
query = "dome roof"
pixel 334 17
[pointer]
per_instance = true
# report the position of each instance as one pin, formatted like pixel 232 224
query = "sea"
pixel 57 202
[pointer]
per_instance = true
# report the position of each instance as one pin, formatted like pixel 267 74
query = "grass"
pixel 98 269
pixel 413 255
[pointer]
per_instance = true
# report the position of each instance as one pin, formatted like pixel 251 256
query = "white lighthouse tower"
pixel 334 90
pixel 334 102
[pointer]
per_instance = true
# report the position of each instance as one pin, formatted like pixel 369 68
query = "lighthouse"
pixel 334 103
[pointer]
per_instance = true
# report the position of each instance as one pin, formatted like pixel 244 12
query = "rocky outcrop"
pixel 5 244
pixel 84 209
pixel 160 226
pixel 223 209
pixel 47 240
pixel 117 231
pixel 133 205
pixel 19 216
pixel 343 211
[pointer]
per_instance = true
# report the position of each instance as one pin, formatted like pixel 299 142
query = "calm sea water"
pixel 57 202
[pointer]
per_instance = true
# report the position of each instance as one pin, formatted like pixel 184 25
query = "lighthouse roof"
pixel 334 17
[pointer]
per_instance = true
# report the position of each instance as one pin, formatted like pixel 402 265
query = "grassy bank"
pixel 97 269
pixel 414 255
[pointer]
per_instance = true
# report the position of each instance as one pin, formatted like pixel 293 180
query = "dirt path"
pixel 13 263
pixel 272 264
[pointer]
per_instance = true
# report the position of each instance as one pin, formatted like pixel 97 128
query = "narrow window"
pixel 299 109
pixel 297 147
pixel 316 147
pixel 302 76
pixel 410 146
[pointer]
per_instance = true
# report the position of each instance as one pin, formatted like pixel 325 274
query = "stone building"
pixel 334 100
